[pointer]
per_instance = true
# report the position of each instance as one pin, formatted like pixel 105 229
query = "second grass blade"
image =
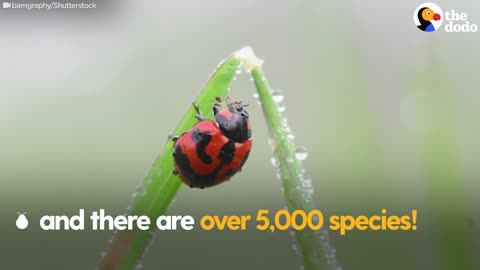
pixel 313 245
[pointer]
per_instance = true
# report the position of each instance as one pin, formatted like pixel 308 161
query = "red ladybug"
pixel 213 151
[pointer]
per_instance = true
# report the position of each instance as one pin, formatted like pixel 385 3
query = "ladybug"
pixel 211 152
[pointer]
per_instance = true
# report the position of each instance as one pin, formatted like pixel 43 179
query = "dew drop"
pixel 294 247
pixel 274 161
pixel 140 191
pixel 324 235
pixel 279 176
pixel 148 180
pixel 270 141
pixel 277 96
pixel 255 95
pixel 301 153
pixel 281 108
pixel 239 71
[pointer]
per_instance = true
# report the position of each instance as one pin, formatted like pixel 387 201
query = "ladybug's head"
pixel 233 121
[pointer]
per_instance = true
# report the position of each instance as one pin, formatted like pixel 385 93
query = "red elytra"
pixel 213 151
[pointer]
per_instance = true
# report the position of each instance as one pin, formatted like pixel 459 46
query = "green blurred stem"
pixel 313 245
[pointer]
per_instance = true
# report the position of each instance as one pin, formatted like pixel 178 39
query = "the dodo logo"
pixel 428 17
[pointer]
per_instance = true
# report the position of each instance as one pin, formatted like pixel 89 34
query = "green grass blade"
pixel 298 190
pixel 436 119
pixel 160 186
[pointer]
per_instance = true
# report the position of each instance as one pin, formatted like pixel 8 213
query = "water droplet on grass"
pixel 148 179
pixel 274 161
pixel 295 248
pixel 301 153
pixel 277 96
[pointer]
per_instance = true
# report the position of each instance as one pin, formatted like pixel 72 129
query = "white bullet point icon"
pixel 22 222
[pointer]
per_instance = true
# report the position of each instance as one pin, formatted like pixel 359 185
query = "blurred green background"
pixel 389 116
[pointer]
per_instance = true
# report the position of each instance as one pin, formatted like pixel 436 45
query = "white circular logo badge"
pixel 428 17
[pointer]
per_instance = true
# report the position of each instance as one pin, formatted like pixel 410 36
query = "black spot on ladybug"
pixel 230 172
pixel 195 180
pixel 235 128
pixel 227 152
pixel 231 133
pixel 202 139
pixel 177 150
pixel 174 172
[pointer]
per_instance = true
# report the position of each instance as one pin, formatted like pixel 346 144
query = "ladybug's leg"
pixel 196 108
pixel 216 105
pixel 173 137
pixel 199 115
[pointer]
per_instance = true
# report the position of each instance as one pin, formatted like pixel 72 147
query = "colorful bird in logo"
pixel 425 16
